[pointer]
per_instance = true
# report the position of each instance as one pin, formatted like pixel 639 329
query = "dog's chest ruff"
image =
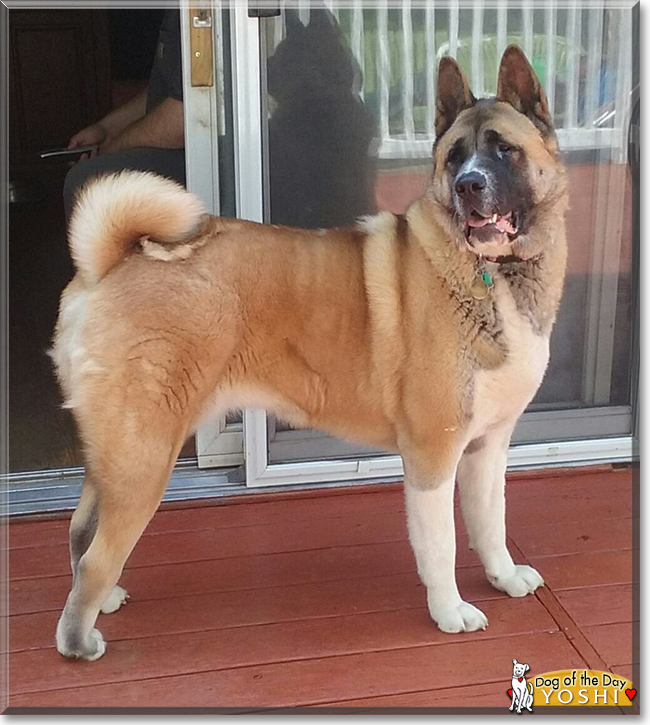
pixel 501 394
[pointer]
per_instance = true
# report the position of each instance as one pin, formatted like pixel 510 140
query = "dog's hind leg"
pixel 481 482
pixel 82 531
pixel 83 524
pixel 121 520
pixel 129 473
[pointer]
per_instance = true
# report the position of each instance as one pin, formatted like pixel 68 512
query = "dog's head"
pixel 519 669
pixel 312 61
pixel 496 161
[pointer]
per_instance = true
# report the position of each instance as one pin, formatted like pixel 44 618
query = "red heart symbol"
pixel 520 679
pixel 510 692
pixel 630 694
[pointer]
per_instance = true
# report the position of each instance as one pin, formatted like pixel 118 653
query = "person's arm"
pixel 163 127
pixel 112 124
pixel 116 121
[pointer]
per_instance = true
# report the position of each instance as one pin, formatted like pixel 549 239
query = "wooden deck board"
pixel 248 607
pixel 314 600
pixel 491 694
pixel 579 537
pixel 324 679
pixel 227 648
pixel 598 605
pixel 220 543
pixel 568 571
pixel 612 641
pixel 234 515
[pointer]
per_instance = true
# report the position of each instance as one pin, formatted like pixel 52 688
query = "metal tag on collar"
pixel 483 283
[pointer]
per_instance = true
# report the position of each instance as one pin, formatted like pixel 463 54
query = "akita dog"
pixel 425 333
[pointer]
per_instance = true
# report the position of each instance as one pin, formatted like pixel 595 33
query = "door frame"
pixel 218 442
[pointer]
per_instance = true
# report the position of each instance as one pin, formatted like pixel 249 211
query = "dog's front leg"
pixel 481 481
pixel 520 702
pixel 430 513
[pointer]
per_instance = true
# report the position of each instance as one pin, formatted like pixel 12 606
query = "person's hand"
pixel 95 134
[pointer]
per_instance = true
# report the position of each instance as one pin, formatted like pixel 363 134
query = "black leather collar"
pixel 510 259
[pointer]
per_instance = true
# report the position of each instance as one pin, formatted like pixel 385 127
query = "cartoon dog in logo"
pixel 522 691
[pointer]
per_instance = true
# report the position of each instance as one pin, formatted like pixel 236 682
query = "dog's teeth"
pixel 494 218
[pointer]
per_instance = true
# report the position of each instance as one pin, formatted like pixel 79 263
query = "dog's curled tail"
pixel 112 213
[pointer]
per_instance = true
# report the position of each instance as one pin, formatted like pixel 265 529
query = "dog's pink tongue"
pixel 475 221
pixel 503 223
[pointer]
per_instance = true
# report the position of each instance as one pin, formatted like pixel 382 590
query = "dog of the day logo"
pixel 568 688
pixel 520 691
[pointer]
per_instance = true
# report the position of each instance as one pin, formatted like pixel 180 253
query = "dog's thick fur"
pixel 371 333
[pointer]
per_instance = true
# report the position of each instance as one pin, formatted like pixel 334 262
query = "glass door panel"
pixel 348 100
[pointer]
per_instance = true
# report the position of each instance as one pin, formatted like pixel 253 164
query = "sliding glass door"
pixel 313 116
pixel 345 98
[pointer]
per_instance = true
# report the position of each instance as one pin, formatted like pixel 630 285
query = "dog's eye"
pixel 455 155
pixel 504 149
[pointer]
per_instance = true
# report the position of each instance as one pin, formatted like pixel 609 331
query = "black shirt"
pixel 166 79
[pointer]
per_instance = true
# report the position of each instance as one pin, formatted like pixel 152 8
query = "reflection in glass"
pixel 319 129
pixel 352 104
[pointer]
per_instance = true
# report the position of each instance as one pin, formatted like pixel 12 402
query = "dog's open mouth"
pixel 483 228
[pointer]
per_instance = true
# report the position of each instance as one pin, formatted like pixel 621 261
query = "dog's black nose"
pixel 470 184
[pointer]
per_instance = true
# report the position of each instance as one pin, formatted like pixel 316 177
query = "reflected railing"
pixel 581 52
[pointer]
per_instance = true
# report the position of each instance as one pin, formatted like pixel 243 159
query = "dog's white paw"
pixel 114 600
pixel 523 581
pixel 464 617
pixel 100 645
pixel 90 650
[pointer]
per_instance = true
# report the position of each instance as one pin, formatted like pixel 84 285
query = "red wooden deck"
pixel 312 598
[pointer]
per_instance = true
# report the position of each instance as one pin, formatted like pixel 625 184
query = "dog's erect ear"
pixel 519 86
pixel 453 94
pixel 514 662
pixel 322 18
pixel 293 23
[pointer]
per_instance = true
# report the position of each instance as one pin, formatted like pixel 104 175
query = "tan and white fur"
pixel 369 332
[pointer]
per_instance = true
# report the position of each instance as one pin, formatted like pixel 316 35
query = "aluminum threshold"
pixel 58 490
